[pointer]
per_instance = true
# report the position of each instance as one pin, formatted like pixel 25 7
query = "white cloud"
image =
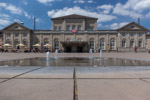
pixel 4 16
pixel 27 15
pixel 24 2
pixel 90 1
pixel 147 15
pixel 4 22
pixel 13 9
pixel 77 10
pixel 79 1
pixel 17 20
pixel 106 8
pixel 118 25
pixel 120 9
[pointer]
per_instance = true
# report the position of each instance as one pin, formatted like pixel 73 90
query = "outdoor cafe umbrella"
pixel 37 45
pixel 47 45
pixel 21 45
pixel 7 45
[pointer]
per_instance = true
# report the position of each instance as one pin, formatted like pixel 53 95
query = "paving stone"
pixel 9 72
pixel 50 72
pixel 113 89
pixel 39 89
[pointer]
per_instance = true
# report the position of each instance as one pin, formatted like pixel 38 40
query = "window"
pixel 8 35
pixel 56 44
pixel 102 44
pixel 132 26
pixel 25 42
pixel 79 27
pixel 124 43
pixel 59 28
pixel 16 42
pixel 123 34
pixel 55 28
pixel 68 28
pixel 91 43
pixel 73 27
pixel 25 35
pixel 140 34
pixel 140 43
pixel 16 26
pixel 8 41
pixel 112 44
pixel 46 41
pixel 131 34
pixel 132 43
pixel 16 35
pixel 36 41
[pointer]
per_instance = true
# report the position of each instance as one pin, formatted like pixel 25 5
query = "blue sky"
pixel 111 14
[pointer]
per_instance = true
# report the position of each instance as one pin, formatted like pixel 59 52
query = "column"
pixel 83 24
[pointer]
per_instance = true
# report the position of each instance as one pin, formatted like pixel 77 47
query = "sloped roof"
pixel 132 23
pixel 74 16
pixel 15 23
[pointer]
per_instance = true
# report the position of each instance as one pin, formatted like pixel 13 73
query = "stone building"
pixel 77 33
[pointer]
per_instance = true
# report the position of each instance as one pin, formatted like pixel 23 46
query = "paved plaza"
pixel 93 83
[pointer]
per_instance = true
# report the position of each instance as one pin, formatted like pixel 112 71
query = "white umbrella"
pixel 7 45
pixel 37 45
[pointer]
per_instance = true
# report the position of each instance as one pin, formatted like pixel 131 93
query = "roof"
pixel 16 24
pixel 74 16
pixel 140 26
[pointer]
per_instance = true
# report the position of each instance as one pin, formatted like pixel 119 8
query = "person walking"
pixel 135 49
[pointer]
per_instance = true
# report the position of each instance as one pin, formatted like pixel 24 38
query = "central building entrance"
pixel 75 46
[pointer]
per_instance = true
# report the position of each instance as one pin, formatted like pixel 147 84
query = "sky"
pixel 111 14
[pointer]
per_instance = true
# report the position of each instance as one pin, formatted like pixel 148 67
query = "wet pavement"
pixel 37 89
pixel 93 83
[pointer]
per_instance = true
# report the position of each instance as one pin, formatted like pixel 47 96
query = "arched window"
pixel 46 41
pixel 102 44
pixel 25 42
pixel 91 43
pixel 56 43
pixel 132 43
pixel 112 44
pixel 36 41
pixel 68 28
pixel 140 43
pixel 16 42
pixel 73 27
pixel 124 43
pixel 8 41
pixel 79 27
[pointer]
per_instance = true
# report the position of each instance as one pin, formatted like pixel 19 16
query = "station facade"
pixel 77 33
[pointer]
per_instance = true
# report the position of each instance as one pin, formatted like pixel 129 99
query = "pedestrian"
pixel 135 49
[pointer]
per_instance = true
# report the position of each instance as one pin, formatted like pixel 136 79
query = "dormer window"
pixel 16 26
pixel 132 26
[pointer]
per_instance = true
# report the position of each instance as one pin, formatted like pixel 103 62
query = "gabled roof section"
pixel 16 26
pixel 133 27
pixel 74 16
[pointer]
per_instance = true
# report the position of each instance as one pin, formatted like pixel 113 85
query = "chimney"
pixel 139 21
pixel 34 21
pixel 22 23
